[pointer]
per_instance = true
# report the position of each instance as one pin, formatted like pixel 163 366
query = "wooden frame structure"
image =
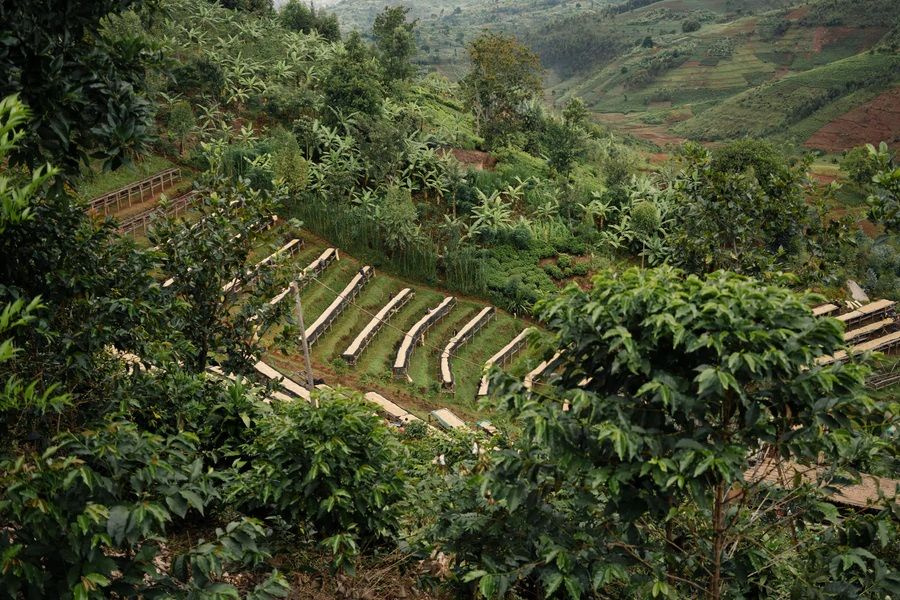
pixel 417 333
pixel 464 335
pixel 139 190
pixel 334 310
pixel 501 357
pixel 141 220
pixel 365 337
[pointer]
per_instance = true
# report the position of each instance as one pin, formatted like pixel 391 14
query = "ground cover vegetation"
pixel 128 469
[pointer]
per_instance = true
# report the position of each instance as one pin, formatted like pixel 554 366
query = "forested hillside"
pixel 656 69
pixel 284 314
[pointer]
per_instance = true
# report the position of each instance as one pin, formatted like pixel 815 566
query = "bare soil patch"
pixel 875 121
pixel 474 159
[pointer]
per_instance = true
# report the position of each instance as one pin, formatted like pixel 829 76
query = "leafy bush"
pixel 554 271
pixel 690 25
pixel 337 468
pixel 83 518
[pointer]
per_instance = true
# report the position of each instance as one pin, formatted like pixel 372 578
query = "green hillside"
pixel 703 69
pixel 799 68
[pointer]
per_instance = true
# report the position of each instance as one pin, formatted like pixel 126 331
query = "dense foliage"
pixel 140 456
pixel 634 472
pixel 85 88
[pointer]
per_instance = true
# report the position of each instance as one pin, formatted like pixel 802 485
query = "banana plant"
pixel 491 213
pixel 548 211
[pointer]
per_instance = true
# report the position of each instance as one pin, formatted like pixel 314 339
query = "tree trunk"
pixel 715 583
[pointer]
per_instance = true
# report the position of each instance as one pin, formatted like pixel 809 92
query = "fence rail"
pixel 882 381
pixel 327 318
pixel 415 335
pixel 365 337
pixel 465 334
pixel 141 220
pixel 138 191
pixel 501 357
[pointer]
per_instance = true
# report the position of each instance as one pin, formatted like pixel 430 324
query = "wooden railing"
pixel 135 192
pixel 140 221
pixel 465 334
pixel 417 333
pixel 358 345
pixel 327 318
pixel 501 357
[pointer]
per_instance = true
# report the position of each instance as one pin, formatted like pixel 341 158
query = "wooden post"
pixel 309 373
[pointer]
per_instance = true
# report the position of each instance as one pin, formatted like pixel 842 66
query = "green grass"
pixel 96 183
pixel 373 371
pixel 790 101
pixel 374 296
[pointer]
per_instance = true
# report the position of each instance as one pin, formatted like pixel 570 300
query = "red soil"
pixel 473 158
pixel 656 134
pixel 875 121
pixel 798 13
pixel 827 36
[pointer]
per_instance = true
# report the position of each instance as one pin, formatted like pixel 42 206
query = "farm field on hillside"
pixel 373 371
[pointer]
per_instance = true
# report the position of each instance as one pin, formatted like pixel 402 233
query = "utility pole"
pixel 309 373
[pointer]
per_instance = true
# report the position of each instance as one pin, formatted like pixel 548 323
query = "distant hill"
pixel 822 73
pixel 787 73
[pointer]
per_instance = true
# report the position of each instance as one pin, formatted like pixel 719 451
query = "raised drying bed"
pixel 501 357
pixel 289 385
pixel 824 309
pixel 465 334
pixel 311 271
pixel 447 419
pixel 325 320
pixel 218 372
pixel 141 220
pixel 866 330
pixel 138 191
pixel 358 346
pixel 289 249
pixel 540 370
pixel 874 310
pixel 882 344
pixel 416 333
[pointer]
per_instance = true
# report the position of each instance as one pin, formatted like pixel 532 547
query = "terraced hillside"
pixel 788 73
pixel 820 73
pixel 422 393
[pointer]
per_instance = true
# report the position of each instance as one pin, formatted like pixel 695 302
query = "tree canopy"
pixel 85 90
pixel 504 76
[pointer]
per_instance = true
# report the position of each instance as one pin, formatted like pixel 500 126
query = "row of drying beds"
pixel 872 327
pixel 291 390
pixel 138 190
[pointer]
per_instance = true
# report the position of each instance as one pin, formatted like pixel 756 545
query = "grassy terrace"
pixel 373 371
pixel 97 182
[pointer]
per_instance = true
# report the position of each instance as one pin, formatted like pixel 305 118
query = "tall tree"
pixel 741 208
pixel 297 16
pixel 505 75
pixel 634 475
pixel 85 90
pixel 352 84
pixel 204 258
pixel 395 42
